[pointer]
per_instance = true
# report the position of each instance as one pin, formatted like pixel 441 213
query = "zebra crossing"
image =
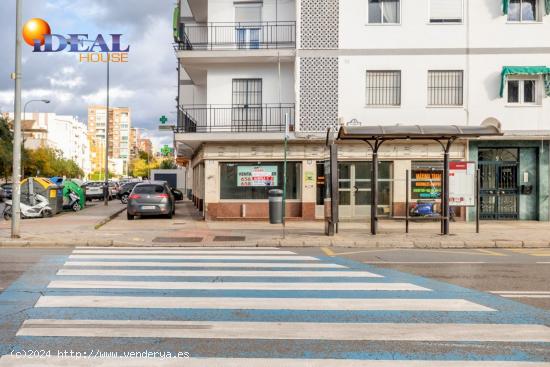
pixel 267 307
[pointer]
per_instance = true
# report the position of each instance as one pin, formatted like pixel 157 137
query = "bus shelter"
pixel 376 136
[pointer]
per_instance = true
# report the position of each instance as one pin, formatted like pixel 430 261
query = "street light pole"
pixel 106 194
pixel 16 169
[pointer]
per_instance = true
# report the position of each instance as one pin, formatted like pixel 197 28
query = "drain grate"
pixel 177 239
pixel 229 238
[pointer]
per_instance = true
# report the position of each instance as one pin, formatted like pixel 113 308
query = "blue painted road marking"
pixel 16 305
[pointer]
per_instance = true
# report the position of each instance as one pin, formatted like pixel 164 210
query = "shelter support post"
pixel 445 212
pixel 374 186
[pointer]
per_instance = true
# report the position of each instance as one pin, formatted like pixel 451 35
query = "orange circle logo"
pixel 35 29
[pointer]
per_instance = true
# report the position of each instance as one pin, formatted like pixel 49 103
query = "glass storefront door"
pixel 355 189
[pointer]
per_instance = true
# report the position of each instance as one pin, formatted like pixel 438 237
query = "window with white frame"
pixel 523 90
pixel 384 11
pixel 524 11
pixel 445 11
pixel 383 88
pixel 445 87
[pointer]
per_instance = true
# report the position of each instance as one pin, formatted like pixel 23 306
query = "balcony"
pixel 266 118
pixel 237 36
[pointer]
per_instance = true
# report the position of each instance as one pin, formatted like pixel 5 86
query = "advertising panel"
pixel 256 176
pixel 462 183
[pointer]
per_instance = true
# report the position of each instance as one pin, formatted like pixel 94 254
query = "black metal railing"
pixel 238 118
pixel 237 36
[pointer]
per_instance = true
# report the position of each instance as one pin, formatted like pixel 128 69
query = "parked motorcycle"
pixel 73 202
pixel 41 208
pixel 428 209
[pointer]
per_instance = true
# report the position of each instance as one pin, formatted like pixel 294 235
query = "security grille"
pixel 247 105
pixel 383 88
pixel 445 87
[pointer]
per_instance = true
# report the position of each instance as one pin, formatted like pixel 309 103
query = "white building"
pixel 64 133
pixel 247 66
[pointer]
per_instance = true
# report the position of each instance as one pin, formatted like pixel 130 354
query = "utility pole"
pixel 16 194
pixel 106 193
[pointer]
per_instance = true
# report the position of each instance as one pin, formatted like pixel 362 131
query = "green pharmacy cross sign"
pixel 165 150
pixel 163 119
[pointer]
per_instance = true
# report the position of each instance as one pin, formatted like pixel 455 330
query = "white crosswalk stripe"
pixel 12 361
pixel 296 330
pixel 274 286
pixel 123 264
pixel 119 279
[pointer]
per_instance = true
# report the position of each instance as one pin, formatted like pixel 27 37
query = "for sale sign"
pixel 462 186
pixel 256 176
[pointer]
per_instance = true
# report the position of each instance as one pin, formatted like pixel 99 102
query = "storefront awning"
pixel 506 6
pixel 525 70
pixel 416 132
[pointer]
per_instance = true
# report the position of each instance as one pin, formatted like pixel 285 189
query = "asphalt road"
pixel 276 307
pixel 519 274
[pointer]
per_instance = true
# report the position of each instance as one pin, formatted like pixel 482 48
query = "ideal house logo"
pixel 38 34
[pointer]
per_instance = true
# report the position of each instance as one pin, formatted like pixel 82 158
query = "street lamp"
pixel 46 101
pixel 16 169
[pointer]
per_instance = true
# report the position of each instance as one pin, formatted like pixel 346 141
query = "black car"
pixel 125 191
pixel 7 188
pixel 178 195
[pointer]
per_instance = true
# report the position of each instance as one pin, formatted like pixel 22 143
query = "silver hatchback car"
pixel 151 198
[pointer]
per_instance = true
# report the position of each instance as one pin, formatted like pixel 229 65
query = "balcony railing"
pixel 237 118
pixel 237 36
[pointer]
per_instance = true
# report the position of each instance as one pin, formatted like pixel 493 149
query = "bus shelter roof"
pixel 417 132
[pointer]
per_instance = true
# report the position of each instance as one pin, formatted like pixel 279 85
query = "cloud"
pixel 147 84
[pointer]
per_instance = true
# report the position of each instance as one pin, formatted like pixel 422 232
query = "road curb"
pixel 286 243
pixel 108 219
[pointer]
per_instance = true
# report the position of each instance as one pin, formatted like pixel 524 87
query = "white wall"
pixel 484 76
pixel 489 27
pixel 224 10
pixel 220 81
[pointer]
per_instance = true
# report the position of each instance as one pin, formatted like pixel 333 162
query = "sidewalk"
pixel 188 229
pixel 64 228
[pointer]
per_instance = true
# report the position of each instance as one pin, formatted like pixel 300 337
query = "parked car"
pixel 114 188
pixel 178 195
pixel 94 190
pixel 151 198
pixel 7 187
pixel 125 192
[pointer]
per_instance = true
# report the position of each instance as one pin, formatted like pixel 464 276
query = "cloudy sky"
pixel 147 83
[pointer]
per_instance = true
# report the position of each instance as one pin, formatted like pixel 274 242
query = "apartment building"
pixel 247 68
pixel 64 133
pixel 119 135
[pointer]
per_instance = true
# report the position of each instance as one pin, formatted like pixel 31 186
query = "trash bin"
pixel 275 206
pixel 44 187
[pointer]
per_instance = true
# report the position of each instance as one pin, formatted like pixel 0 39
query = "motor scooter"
pixel 73 202
pixel 41 209
pixel 427 209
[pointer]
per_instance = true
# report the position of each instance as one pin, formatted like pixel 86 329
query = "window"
pixel 248 18
pixel 445 11
pixel 522 91
pixel 252 181
pixel 445 87
pixel 383 88
pixel 523 11
pixel 384 12
pixel 246 112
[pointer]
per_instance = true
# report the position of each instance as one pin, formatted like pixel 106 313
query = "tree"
pixel 6 149
pixel 168 164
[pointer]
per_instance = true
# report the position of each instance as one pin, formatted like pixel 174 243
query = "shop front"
pixel 514 179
